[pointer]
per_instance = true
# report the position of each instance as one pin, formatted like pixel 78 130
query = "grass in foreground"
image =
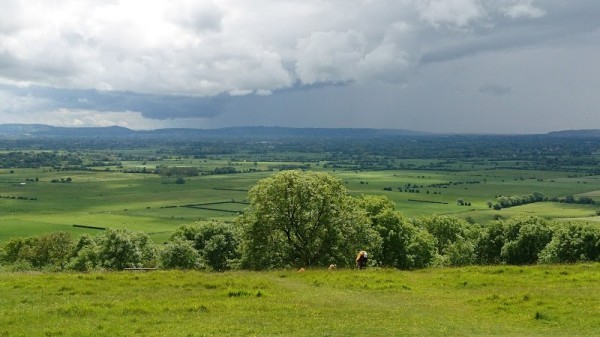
pixel 502 300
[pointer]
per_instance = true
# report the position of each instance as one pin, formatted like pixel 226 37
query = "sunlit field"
pixel 33 202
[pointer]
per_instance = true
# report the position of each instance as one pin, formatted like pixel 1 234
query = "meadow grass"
pixel 557 300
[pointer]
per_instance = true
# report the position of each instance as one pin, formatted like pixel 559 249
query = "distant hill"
pixel 576 133
pixel 40 131
pixel 18 131
pixel 263 131
pixel 23 129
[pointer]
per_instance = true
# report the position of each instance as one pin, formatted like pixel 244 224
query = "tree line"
pixel 447 153
pixel 307 219
pixel 518 200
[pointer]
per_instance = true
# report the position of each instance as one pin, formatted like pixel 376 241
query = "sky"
pixel 451 66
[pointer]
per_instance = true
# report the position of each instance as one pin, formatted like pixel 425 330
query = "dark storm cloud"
pixel 561 22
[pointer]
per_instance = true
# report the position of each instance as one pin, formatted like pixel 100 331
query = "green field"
pixel 145 202
pixel 33 204
pixel 559 300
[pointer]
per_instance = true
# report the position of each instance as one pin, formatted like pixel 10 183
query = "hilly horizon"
pixel 43 130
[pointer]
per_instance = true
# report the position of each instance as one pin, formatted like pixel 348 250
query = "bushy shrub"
pixel 396 235
pixel 18 266
pixel 217 243
pixel 14 250
pixel 525 238
pixel 53 250
pixel 179 254
pixel 422 249
pixel 122 248
pixel 85 254
pixel 460 253
pixel 573 242
pixel 187 232
pixel 403 245
pixel 445 229
pixel 50 250
pixel 489 243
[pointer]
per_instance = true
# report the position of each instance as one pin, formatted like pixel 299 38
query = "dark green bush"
pixel 489 243
pixel 179 254
pixel 216 242
pixel 50 250
pixel 122 248
pixel 525 238
pixel 403 245
pixel 573 242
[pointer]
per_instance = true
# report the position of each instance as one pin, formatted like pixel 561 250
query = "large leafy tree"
pixel 303 219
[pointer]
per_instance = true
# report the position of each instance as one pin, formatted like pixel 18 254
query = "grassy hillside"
pixel 504 301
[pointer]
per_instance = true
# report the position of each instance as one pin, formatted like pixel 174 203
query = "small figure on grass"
pixel 361 260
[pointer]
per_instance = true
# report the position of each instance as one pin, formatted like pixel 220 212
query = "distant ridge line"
pixel 42 130
pixel 577 133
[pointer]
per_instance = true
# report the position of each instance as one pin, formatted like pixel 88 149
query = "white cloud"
pixel 521 9
pixel 454 13
pixel 329 56
pixel 207 47
pixel 198 48
pixel 385 63
pixel 196 15
pixel 86 118
pixel 16 104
